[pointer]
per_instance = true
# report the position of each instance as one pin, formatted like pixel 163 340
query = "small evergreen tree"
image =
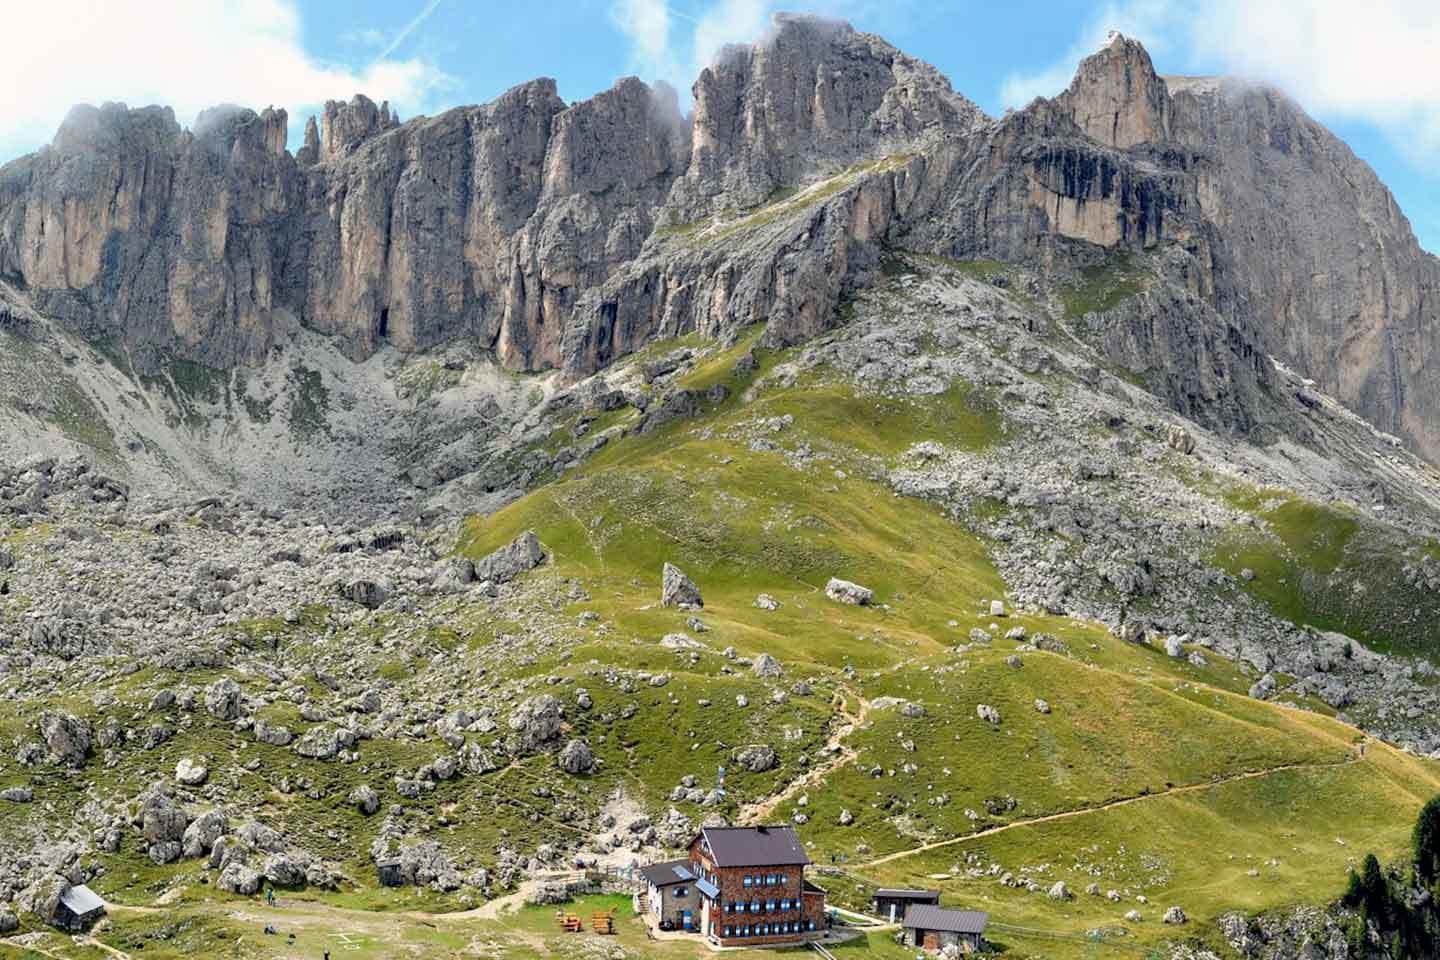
pixel 1426 842
pixel 1376 894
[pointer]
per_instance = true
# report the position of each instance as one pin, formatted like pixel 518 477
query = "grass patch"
pixel 1331 568
pixel 1103 286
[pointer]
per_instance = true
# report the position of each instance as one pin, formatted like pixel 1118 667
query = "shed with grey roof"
pixel 933 928
pixel 78 909
pixel 892 903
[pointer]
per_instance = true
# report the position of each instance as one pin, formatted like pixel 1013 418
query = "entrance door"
pixel 687 919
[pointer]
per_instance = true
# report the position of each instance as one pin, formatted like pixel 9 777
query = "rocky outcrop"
pixel 816 96
pixel 568 235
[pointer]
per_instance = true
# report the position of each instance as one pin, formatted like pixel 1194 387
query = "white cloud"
pixel 729 21
pixel 189 54
pixel 1374 62
pixel 647 25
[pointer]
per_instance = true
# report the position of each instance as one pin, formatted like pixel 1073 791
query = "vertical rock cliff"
pixel 565 235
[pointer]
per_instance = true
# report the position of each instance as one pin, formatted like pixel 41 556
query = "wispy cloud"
pixel 673 44
pixel 408 29
pixel 189 54
pixel 1373 62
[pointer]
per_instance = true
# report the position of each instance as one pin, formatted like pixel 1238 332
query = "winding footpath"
pixel 840 752
pixel 1108 805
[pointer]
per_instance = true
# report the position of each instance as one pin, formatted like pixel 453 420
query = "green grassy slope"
pixel 1150 775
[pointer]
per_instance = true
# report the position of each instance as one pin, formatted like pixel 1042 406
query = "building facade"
pixel 752 887
pixel 671 897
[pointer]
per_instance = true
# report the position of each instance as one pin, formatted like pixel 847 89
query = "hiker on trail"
pixel 270 896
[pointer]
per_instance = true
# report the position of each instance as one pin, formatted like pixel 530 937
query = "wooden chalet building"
pixel 752 887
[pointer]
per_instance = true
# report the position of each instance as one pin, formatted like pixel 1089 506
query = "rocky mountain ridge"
pixel 537 230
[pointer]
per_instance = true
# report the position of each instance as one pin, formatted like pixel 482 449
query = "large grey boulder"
pixel 190 772
pixel 67 738
pixel 324 743
pixel 273 734
pixel 222 699
pixel 766 666
pixel 757 758
pixel 843 591
pixel 370 594
pixel 239 878
pixel 678 590
pixel 161 818
pixel 200 836
pixel 576 758
pixel 534 724
pixel 365 799
pixel 519 555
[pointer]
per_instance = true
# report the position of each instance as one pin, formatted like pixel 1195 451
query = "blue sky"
pixel 1369 71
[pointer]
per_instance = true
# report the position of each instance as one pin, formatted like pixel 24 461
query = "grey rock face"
pixel 565 236
pixel 324 743
pixel 273 734
pixel 678 590
pixel 520 555
pixel 200 836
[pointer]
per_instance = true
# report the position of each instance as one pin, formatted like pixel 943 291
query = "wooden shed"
pixel 891 903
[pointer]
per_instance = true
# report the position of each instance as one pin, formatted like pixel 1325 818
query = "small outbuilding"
pixel 671 895
pixel 78 910
pixel 390 872
pixel 933 928
pixel 891 903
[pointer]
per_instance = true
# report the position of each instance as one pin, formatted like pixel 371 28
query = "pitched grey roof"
pixel 80 900
pixel 927 916
pixel 755 846
pixel 667 873
pixel 893 893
